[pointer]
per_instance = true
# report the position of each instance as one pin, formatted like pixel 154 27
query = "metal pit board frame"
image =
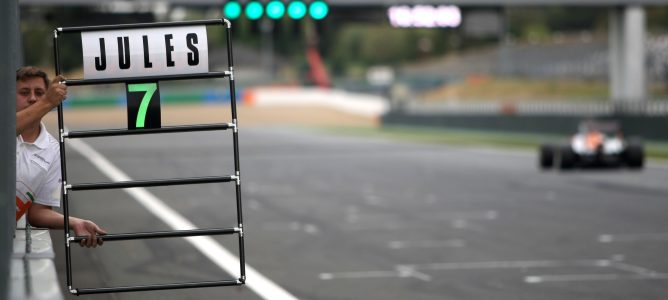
pixel 70 187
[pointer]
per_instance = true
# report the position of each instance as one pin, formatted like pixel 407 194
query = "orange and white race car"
pixel 597 144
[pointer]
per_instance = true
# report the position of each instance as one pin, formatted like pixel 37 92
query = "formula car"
pixel 597 144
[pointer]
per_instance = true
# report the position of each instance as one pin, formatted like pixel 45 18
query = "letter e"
pixel 168 49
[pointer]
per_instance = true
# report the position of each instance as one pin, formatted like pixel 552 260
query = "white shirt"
pixel 38 169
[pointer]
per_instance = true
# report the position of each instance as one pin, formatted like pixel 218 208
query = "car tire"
pixel 546 156
pixel 566 158
pixel 635 155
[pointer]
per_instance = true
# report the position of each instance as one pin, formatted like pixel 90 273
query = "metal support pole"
pixel 10 53
pixel 634 58
pixel 235 137
pixel 627 54
pixel 615 46
pixel 63 169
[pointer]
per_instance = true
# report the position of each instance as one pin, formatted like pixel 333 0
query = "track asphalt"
pixel 332 217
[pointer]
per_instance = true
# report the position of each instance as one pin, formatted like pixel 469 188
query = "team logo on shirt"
pixel 24 198
pixel 41 161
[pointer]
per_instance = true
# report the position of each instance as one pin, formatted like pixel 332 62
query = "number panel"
pixel 143 105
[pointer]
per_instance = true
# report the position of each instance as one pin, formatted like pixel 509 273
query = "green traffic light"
pixel 254 10
pixel 296 9
pixel 232 10
pixel 275 9
pixel 318 10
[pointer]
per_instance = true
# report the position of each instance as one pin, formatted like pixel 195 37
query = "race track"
pixel 331 217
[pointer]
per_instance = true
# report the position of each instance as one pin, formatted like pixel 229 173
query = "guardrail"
pixel 591 108
pixel 646 120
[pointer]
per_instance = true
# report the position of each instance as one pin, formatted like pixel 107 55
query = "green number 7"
pixel 148 89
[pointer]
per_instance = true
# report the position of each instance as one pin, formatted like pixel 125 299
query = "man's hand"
pixel 56 92
pixel 44 216
pixel 89 230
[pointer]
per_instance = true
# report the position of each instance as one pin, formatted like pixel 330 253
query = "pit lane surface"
pixel 332 217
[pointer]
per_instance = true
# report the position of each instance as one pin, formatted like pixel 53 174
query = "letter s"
pixel 193 57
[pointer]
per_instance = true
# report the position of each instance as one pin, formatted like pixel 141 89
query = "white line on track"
pixel 592 277
pixel 516 264
pixel 453 243
pixel 633 268
pixel 639 273
pixel 637 237
pixel 359 275
pixel 464 215
pixel 398 272
pixel 291 226
pixel 413 271
pixel 459 220
pixel 222 257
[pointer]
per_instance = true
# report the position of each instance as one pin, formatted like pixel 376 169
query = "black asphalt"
pixel 332 217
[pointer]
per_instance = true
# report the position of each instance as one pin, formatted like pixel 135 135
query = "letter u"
pixel 123 52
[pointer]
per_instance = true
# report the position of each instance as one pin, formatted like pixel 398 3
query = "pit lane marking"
pixel 633 268
pixel 291 226
pixel 631 238
pixel 453 243
pixel 398 272
pixel 356 221
pixel 637 273
pixel 415 270
pixel 592 277
pixel 514 264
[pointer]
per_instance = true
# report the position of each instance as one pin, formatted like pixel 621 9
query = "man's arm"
pixel 55 94
pixel 43 216
pixel 31 114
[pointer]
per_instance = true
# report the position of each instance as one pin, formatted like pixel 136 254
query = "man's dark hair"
pixel 27 72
